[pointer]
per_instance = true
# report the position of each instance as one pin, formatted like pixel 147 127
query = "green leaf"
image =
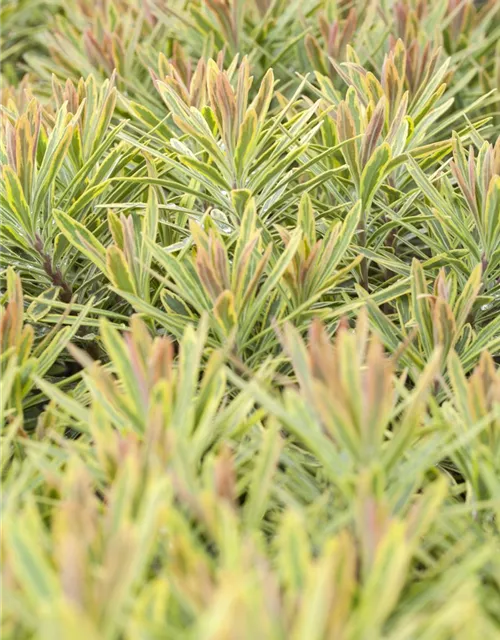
pixel 373 174
pixel 492 216
pixel 30 565
pixel 260 488
pixel 225 313
pixel 15 198
pixel 246 142
pixel 118 270
pixel 81 238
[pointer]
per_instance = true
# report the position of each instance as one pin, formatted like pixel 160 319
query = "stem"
pixel 54 273
pixel 364 261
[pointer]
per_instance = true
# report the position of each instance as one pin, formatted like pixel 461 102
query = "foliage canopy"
pixel 250 327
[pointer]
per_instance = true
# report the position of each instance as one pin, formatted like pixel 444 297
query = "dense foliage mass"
pixel 250 326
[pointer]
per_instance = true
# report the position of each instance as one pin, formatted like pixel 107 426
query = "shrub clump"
pixel 250 326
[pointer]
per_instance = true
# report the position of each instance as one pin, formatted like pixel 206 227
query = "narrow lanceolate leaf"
pixel 189 363
pixel 47 351
pixel 459 382
pixel 116 229
pixel 347 134
pixel 68 404
pixel 280 266
pixel 225 313
pixel 207 173
pixel 7 381
pixel 468 297
pixel 428 189
pixel 31 566
pixel 263 99
pixel 147 117
pixel 16 200
pixel 118 271
pixel 246 142
pixel 422 306
pixel 444 326
pixel 408 426
pixel 373 131
pixel 374 174
pixel 306 219
pixel 239 200
pixel 262 477
pixel 345 235
pixel 41 306
pixel 150 231
pixel 54 157
pixel 492 216
pixel 81 238
pixel 126 366
pixel 90 195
